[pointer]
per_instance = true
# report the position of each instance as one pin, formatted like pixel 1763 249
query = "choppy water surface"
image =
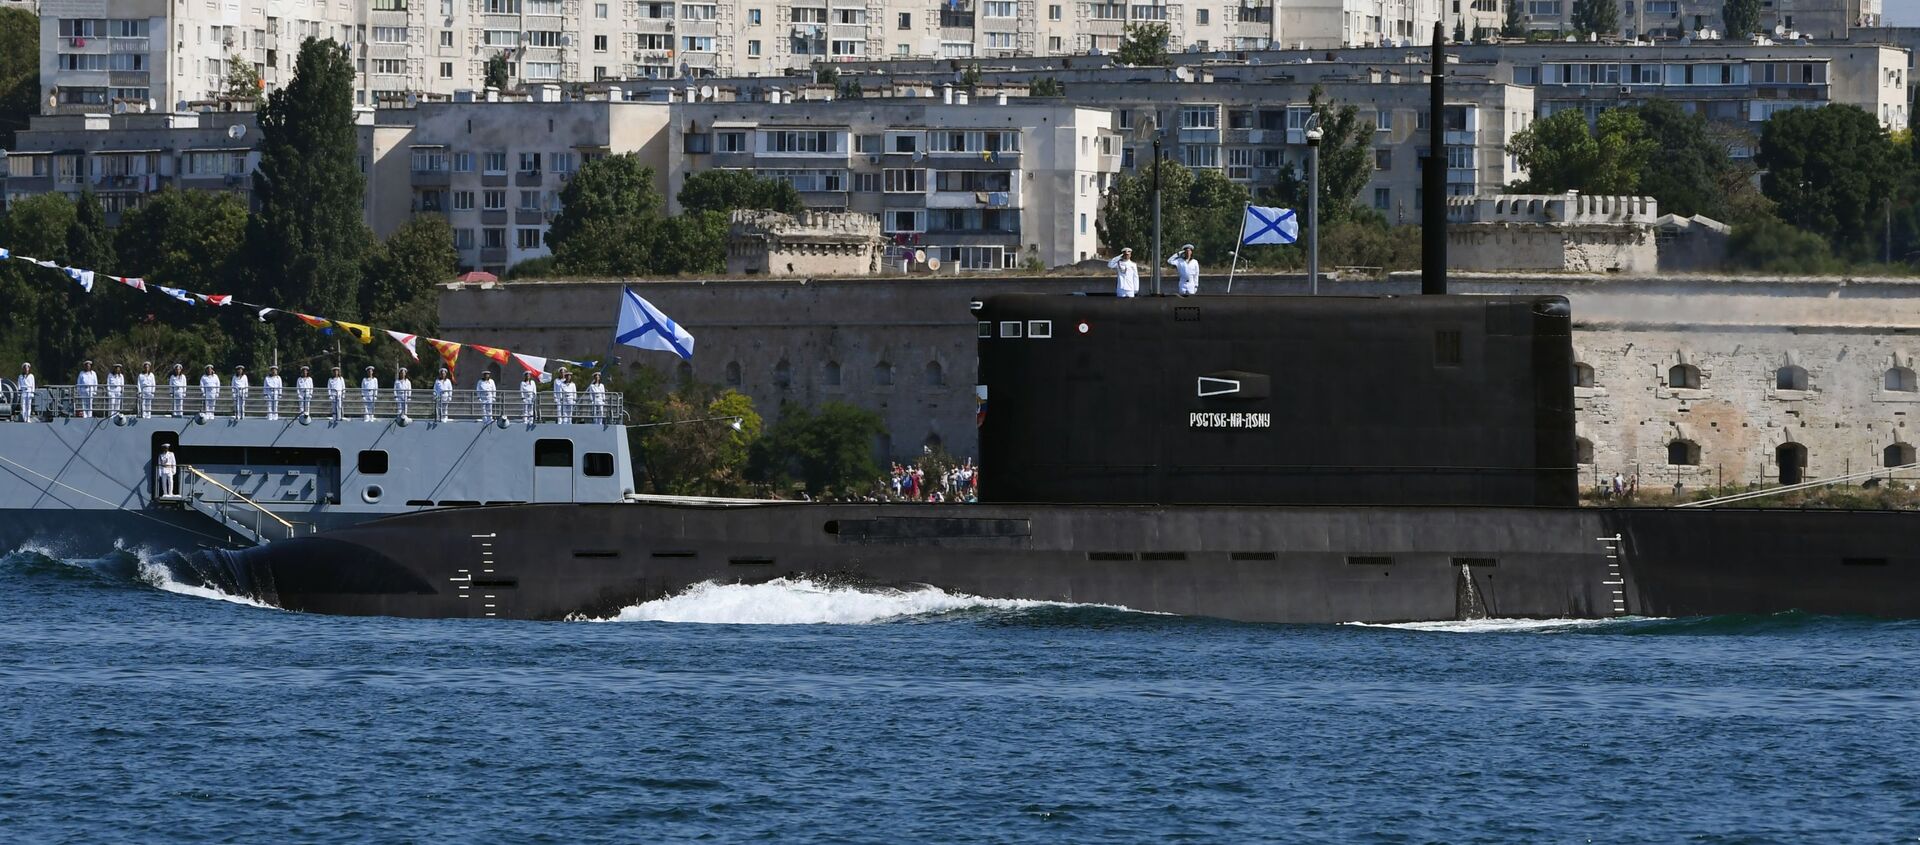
pixel 136 709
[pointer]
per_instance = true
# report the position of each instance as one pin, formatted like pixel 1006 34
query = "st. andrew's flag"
pixel 1264 225
pixel 643 326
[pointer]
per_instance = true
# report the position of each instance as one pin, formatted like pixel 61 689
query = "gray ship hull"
pixel 1259 564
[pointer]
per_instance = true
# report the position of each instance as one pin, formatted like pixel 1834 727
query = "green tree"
pixel 1769 245
pixel 36 303
pixel 1144 45
pixel 497 75
pixel 243 83
pixel 1742 17
pixel 1126 221
pixel 307 241
pixel 1046 86
pixel 19 71
pixel 89 244
pixel 829 450
pixel 403 275
pixel 1515 25
pixel 1596 17
pixel 1346 162
pixel 1687 169
pixel 162 344
pixel 692 449
pixel 1561 154
pixel 825 74
pixel 730 190
pixel 693 244
pixel 609 223
pixel 183 238
pixel 1828 169
pixel 970 78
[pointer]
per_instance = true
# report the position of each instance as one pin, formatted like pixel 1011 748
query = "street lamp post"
pixel 1314 134
pixel 1156 218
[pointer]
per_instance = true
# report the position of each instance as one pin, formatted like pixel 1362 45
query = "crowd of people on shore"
pixel 237 395
pixel 909 483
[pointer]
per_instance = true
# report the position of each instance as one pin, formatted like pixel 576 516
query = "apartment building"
pixel 495 168
pixel 979 185
pixel 125 158
pixel 1679 18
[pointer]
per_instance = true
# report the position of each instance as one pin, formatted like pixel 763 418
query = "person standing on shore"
pixel 1126 274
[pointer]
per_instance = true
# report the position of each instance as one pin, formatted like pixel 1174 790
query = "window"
pixel 783 374
pixel 997 8
pixel 543 38
pixel 446 70
pixel 883 374
pixel 697 43
pixel 935 375
pixel 446 38
pixel 697 143
pixel 553 452
pixel 733 374
pixel 832 374
pixel 906 181
pixel 526 238
pixel 463 162
pixel 731 142
pixel 389 35
pixel 373 462
pixel 1201 155
pixel 496 163
pixel 1901 379
pixel 1582 374
pixel 562 162
pixel 599 44
pixel 1446 348
pixel 1383 198
pixel 494 200
pixel 462 200
pixel 600 11
pixel 1200 16
pixel 493 238
pixel 1684 453
pixel 597 464
pixel 1383 159
pixel 697 11
pixel 390 67
pixel 1200 117
pixel 543 70
pixel 753 17
pixel 501 38
pixel 463 239
pixel 866 183
pixel 529 201
pixel 428 160
pixel 753 47
pixel 1897 455
pixel 1582 450
pixel 1790 377
pixel 1053 12
pixel 1683 376
pixel 796 141
pixel 906 20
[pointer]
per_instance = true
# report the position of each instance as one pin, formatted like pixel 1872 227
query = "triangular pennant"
pixel 309 319
pixel 406 340
pixel 496 354
pixel 5 253
pixel 216 298
pixel 176 293
pixel 266 311
pixel 449 351
pixel 134 282
pixel 359 332
pixel 84 278
pixel 533 364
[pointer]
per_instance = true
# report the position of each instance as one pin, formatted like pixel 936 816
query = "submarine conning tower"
pixel 1429 400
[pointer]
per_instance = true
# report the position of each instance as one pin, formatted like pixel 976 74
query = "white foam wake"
pixel 1498 626
pixel 156 574
pixel 801 601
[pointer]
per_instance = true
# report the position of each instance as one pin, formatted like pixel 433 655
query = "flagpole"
pixel 1235 268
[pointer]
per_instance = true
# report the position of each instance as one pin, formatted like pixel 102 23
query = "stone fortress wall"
pixel 1732 370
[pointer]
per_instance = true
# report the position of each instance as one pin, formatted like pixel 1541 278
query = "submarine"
pixel 1286 459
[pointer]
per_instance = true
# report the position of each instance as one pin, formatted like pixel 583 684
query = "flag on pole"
pixel 359 332
pixel 176 293
pixel 1264 225
pixel 495 353
pixel 406 340
pixel 216 298
pixel 309 319
pixel 449 351
pixel 643 326
pixel 84 278
pixel 533 364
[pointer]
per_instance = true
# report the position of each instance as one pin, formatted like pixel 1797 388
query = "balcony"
pixel 493 217
pixel 129 45
pixel 432 178
pixel 529 178
pixel 529 217
pixel 1456 138
pixel 950 19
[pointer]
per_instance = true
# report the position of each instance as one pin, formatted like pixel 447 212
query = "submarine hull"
pixel 1247 563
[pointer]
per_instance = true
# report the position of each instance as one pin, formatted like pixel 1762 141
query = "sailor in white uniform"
pixel 1126 274
pixel 177 389
pixel 242 388
pixel 273 387
pixel 1188 267
pixel 565 393
pixel 443 396
pixel 369 394
pixel 116 388
pixel 27 387
pixel 402 392
pixel 529 397
pixel 86 387
pixel 146 384
pixel 210 390
pixel 597 397
pixel 337 394
pixel 303 390
pixel 163 469
pixel 487 391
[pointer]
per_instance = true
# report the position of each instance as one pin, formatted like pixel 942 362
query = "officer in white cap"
pixel 1188 268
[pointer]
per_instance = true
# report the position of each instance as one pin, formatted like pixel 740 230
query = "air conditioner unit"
pixel 873 159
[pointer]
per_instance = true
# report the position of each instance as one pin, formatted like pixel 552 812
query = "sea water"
pixel 134 708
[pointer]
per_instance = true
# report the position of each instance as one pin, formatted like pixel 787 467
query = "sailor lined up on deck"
pixel 337 394
pixel 1126 276
pixel 86 387
pixel 210 389
pixel 303 390
pixel 145 385
pixel 26 388
pixel 529 397
pixel 402 392
pixel 273 387
pixel 443 396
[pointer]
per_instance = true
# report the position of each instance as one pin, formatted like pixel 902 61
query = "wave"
pixel 126 566
pixel 1502 626
pixel 1787 622
pixel 804 601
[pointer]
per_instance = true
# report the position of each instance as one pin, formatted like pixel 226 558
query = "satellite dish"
pixel 152 104
pixel 412 99
pixel 920 256
pixel 119 108
pixel 236 131
pixel 180 106
pixel 706 92
pixel 53 99
pixel 933 264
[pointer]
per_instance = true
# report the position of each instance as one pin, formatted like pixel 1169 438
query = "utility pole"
pixel 1155 257
pixel 1314 134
